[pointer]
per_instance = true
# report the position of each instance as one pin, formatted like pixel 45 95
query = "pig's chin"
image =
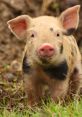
pixel 50 61
pixel 45 61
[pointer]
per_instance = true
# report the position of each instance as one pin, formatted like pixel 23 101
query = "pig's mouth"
pixel 49 61
pixel 45 60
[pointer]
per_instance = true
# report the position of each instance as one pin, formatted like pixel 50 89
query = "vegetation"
pixel 74 109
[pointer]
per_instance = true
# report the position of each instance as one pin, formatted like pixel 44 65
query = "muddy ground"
pixel 11 49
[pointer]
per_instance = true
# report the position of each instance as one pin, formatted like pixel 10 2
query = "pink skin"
pixel 44 44
pixel 46 50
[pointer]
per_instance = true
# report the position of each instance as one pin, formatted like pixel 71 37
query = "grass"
pixel 13 101
pixel 74 109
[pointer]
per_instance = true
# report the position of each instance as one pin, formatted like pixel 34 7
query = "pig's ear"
pixel 70 18
pixel 19 25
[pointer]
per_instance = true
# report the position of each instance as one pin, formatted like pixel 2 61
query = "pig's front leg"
pixel 75 81
pixel 33 90
pixel 59 90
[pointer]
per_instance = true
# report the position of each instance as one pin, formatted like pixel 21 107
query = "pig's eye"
pixel 57 34
pixel 32 35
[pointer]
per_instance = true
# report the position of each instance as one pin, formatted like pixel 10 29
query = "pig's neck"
pixel 57 72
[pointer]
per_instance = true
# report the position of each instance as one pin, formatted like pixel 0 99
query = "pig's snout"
pixel 46 50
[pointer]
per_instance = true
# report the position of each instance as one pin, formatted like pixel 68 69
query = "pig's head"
pixel 45 35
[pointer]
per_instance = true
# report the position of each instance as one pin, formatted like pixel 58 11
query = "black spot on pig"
pixel 69 32
pixel 57 72
pixel 61 49
pixel 25 66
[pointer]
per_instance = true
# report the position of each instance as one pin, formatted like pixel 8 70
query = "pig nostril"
pixel 46 49
pixel 51 49
pixel 42 50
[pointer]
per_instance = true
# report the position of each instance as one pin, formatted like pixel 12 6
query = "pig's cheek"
pixel 34 51
pixel 60 42
pixel 60 45
pixel 57 50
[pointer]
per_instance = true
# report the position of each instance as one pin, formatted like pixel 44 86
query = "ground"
pixel 11 77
